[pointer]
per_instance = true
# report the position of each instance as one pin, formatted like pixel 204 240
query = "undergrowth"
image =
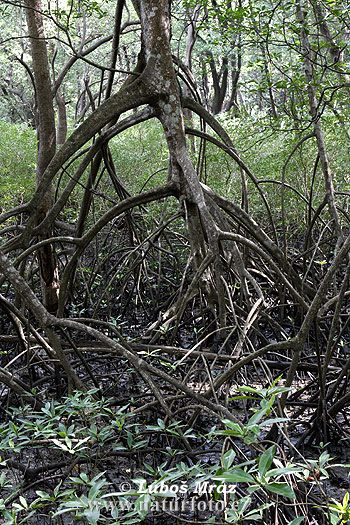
pixel 82 458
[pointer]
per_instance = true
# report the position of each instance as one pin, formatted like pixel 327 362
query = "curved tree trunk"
pixel 46 143
pixel 202 229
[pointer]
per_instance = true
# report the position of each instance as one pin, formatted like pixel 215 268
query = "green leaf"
pixel 265 460
pixel 42 494
pixel 252 516
pixel 84 477
pixel 259 414
pixel 228 459
pixel 274 420
pixel 95 489
pixel 92 515
pixel 283 489
pixel 235 476
pixel 234 398
pixel 232 425
pixel 282 471
pixel 248 389
pixel 161 423
pixel 60 445
pixel 23 502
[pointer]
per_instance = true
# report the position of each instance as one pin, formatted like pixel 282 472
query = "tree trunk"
pixel 61 120
pixel 233 101
pixel 313 105
pixel 219 83
pixel 336 53
pixel 190 42
pixel 202 230
pixel 268 79
pixel 46 144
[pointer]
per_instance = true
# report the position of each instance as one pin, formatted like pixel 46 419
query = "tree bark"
pixel 46 144
pixel 220 83
pixel 313 105
pixel 202 230
pixel 61 120
pixel 190 41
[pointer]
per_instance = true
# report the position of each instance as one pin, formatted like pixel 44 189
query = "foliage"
pixel 17 164
pixel 64 428
pixel 140 160
pixel 176 301
pixel 340 511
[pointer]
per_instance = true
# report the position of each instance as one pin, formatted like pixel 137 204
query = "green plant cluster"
pixel 82 431
pixel 17 164
pixel 140 158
